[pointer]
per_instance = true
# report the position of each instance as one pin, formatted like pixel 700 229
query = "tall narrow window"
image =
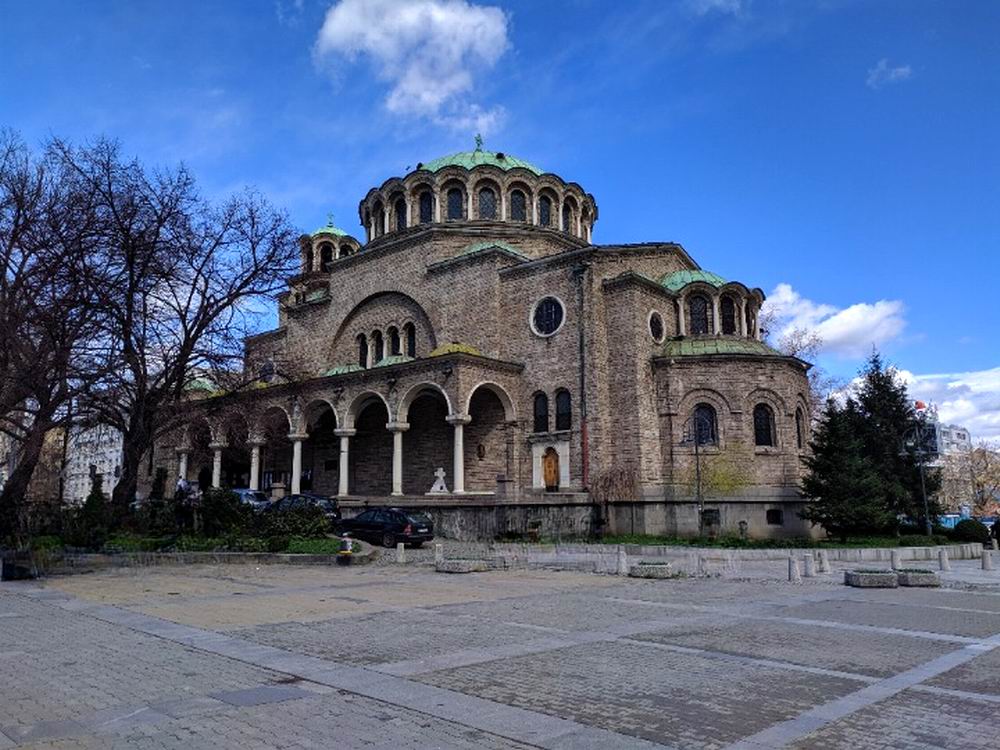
pixel 363 350
pixel 307 261
pixel 454 203
pixel 400 209
pixel 426 207
pixel 545 211
pixel 518 206
pixel 487 204
pixel 564 410
pixel 394 342
pixel 705 425
pixel 698 309
pixel 800 430
pixel 763 425
pixel 379 220
pixel 411 340
pixel 728 309
pixel 567 217
pixel 325 256
pixel 379 346
pixel 541 412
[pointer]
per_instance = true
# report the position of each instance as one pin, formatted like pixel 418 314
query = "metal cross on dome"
pixel 479 142
pixel 329 219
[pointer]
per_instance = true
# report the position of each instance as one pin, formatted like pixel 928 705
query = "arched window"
pixel 362 350
pixel 706 425
pixel 698 310
pixel 564 410
pixel 307 262
pixel 379 346
pixel 567 218
pixel 518 206
pixel 454 203
pixel 800 429
pixel 394 342
pixel 728 310
pixel 379 220
pixel 325 256
pixel 426 207
pixel 545 211
pixel 411 339
pixel 541 413
pixel 487 204
pixel 763 425
pixel 400 209
pixel 749 322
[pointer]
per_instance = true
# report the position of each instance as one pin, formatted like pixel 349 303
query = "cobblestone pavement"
pixel 390 656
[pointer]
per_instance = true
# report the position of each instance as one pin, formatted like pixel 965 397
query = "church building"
pixel 477 339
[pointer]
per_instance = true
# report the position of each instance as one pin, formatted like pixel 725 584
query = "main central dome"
pixel 470 159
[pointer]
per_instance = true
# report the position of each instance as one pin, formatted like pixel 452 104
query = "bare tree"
pixel 806 344
pixel 47 311
pixel 984 474
pixel 181 282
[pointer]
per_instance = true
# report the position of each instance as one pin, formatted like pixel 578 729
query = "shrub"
pixel 303 522
pixel 971 530
pixel 222 513
pixel 88 527
pixel 922 540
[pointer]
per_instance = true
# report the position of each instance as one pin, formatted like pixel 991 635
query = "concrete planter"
pixel 462 566
pixel 914 577
pixel 651 570
pixel 871 579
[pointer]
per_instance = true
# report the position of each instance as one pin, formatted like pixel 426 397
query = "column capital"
pixel 397 426
pixel 298 437
pixel 345 432
pixel 455 419
pixel 183 450
pixel 257 442
pixel 218 445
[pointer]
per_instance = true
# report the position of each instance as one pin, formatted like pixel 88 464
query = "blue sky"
pixel 842 155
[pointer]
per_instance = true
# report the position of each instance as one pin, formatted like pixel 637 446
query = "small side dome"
pixel 330 229
pixel 680 279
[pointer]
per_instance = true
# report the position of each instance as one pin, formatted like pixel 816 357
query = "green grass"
pixel 328 546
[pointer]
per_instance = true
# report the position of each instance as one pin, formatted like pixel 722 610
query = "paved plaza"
pixel 390 656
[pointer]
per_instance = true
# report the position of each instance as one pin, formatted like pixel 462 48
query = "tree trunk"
pixel 16 487
pixel 135 442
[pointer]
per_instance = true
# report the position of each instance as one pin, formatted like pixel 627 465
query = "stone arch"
pixel 529 198
pixel 510 413
pixel 360 403
pixel 311 411
pixel 489 444
pixel 487 183
pixel 412 393
pixel 321 447
pixel 272 429
pixel 375 312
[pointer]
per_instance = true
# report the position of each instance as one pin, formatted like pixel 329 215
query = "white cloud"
pixel 969 399
pixel 428 51
pixel 703 7
pixel 847 332
pixel 882 74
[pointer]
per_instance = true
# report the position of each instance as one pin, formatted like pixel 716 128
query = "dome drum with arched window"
pixel 324 246
pixel 477 186
pixel 708 305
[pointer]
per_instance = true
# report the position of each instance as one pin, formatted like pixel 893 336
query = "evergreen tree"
pixel 844 488
pixel 887 428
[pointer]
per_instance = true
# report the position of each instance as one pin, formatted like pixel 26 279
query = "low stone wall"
pixel 68 563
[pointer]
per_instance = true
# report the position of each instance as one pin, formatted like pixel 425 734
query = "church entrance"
pixel 550 470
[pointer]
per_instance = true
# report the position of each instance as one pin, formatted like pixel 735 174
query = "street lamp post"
pixel 914 441
pixel 698 429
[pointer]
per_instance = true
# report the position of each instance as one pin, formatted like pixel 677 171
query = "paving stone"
pixel 257 696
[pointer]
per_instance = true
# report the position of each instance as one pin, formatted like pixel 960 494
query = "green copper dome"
pixel 470 159
pixel 330 229
pixel 679 279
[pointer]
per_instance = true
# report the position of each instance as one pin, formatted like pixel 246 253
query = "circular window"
pixel 547 317
pixel 656 326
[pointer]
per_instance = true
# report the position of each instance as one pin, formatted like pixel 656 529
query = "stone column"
pixel 397 429
pixel 742 324
pixel 385 221
pixel 255 447
pixel 217 464
pixel 534 209
pixel 182 462
pixel 345 441
pixel 503 206
pixel 458 421
pixel 682 316
pixel 296 439
pixel 437 206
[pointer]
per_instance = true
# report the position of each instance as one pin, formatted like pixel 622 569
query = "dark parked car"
pixel 254 498
pixel 388 526
pixel 306 499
